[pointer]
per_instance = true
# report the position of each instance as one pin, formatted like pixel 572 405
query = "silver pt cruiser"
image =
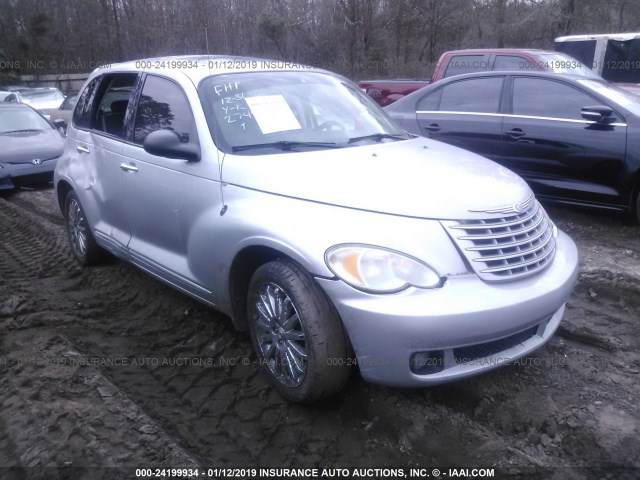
pixel 284 197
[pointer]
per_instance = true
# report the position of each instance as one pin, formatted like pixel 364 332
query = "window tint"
pixel 461 64
pixel 110 114
pixel 481 95
pixel 163 105
pixel 82 112
pixel 431 102
pixel 510 62
pixel 547 98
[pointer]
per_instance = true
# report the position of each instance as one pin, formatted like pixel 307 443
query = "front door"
pixel 558 152
pixel 168 199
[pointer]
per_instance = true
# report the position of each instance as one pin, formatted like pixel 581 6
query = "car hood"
pixel 45 104
pixel 23 147
pixel 418 178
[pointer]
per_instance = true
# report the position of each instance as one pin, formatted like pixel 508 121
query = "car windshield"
pixel 69 102
pixel 269 112
pixel 20 120
pixel 622 97
pixel 558 63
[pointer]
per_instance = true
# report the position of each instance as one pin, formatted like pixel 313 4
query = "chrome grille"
pixel 506 247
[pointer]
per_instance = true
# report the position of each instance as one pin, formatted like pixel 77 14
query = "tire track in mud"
pixel 569 405
pixel 56 407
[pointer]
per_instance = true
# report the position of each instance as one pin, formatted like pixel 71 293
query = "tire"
pixel 296 333
pixel 83 245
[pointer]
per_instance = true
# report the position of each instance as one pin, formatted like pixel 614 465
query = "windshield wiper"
pixel 24 130
pixel 284 145
pixel 377 137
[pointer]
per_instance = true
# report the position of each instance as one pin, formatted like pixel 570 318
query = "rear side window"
pixel 461 64
pixel 431 102
pixel 82 112
pixel 116 91
pixel 163 105
pixel 478 95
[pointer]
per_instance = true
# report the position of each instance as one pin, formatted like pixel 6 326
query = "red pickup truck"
pixel 458 62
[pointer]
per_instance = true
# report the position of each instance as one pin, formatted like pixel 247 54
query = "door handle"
pixel 434 127
pixel 128 168
pixel 81 149
pixel 515 133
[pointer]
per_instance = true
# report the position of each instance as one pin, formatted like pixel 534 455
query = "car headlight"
pixel 552 225
pixel 379 270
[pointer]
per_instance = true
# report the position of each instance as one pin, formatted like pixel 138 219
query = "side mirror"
pixel 168 143
pixel 61 125
pixel 598 114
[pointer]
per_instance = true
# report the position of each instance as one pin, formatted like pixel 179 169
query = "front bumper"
pixel 12 175
pixel 472 326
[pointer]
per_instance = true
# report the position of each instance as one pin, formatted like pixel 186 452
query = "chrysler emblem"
pixel 513 208
pixel 36 161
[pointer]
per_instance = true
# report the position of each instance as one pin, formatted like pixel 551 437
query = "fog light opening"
pixel 427 363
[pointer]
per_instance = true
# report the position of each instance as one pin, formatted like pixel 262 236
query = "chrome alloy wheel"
pixel 280 335
pixel 77 228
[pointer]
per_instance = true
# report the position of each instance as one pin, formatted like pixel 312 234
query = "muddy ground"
pixel 106 367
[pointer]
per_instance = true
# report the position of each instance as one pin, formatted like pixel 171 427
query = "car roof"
pixel 399 105
pixel 502 50
pixel 520 73
pixel 207 65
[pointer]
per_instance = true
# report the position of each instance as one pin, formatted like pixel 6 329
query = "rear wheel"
pixel 83 245
pixel 297 335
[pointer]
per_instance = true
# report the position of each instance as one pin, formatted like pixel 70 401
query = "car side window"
pixel 478 95
pixel 82 113
pixel 109 117
pixel 461 64
pixel 163 105
pixel 511 63
pixel 431 102
pixel 541 97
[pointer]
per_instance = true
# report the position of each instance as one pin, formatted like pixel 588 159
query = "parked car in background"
pixel 288 200
pixel 3 95
pixel 44 100
pixel 460 62
pixel 574 139
pixel 61 117
pixel 29 147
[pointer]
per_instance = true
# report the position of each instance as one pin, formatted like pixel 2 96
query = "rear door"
pixel 99 148
pixel 557 151
pixel 465 113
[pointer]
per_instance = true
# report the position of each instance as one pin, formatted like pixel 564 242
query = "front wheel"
pixel 83 245
pixel 297 335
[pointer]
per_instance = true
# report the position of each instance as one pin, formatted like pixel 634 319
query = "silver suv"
pixel 284 197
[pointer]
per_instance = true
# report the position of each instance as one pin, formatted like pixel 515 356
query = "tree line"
pixel 358 38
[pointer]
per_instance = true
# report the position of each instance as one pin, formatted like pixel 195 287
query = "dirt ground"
pixel 107 367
